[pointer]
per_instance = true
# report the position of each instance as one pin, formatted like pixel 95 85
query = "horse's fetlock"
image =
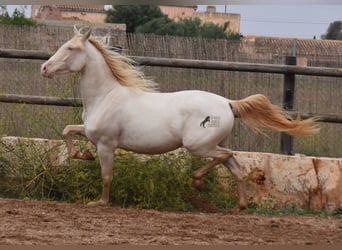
pixel 197 175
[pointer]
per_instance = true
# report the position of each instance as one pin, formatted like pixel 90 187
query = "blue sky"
pixel 297 21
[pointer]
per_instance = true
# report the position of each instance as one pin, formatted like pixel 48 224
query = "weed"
pixel 289 210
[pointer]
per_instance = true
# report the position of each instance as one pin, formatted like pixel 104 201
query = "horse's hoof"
pixel 86 155
pixel 237 209
pixel 99 203
pixel 242 206
pixel 199 184
pixel 75 154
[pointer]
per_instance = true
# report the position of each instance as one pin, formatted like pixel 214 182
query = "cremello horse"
pixel 121 109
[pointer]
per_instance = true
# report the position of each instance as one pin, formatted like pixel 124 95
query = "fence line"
pixel 76 102
pixel 198 64
pixel 41 100
pixel 191 64
pixel 176 63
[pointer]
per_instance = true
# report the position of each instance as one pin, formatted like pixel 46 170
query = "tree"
pixel 18 18
pixel 133 15
pixel 334 31
pixel 3 9
pixel 160 26
pixel 211 30
pixel 187 27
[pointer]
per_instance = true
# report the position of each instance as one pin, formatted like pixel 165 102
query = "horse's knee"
pixel 70 130
pixel 107 175
pixel 66 131
pixel 107 178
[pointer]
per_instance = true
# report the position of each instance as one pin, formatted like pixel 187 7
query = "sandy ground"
pixel 28 222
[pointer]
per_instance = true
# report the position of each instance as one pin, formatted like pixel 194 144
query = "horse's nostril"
pixel 43 70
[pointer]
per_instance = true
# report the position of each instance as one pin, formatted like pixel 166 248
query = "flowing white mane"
pixel 123 68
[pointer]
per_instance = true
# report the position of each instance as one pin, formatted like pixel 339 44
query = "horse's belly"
pixel 149 144
pixel 151 149
pixel 151 132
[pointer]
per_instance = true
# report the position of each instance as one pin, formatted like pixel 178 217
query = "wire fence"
pixel 313 94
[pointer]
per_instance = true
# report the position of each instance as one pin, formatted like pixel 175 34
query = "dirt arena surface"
pixel 27 222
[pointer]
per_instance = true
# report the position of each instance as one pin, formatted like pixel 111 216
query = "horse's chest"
pixel 99 128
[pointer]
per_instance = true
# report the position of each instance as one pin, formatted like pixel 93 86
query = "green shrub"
pixel 150 182
pixel 161 182
pixel 27 170
pixel 17 18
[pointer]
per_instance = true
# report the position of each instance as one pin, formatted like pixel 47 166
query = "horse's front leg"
pixel 105 154
pixel 68 132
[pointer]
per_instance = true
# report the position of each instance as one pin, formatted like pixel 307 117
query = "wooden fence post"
pixel 286 141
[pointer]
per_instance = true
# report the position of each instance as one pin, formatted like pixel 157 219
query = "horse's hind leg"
pixel 219 154
pixel 199 173
pixel 68 132
pixel 235 168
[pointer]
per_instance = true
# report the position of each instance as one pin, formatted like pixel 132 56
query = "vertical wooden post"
pixel 286 141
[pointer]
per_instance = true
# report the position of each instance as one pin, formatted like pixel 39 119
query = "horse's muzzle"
pixel 44 70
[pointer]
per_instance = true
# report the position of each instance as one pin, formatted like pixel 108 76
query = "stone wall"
pixel 314 182
pixel 220 18
pixel 272 179
pixel 94 14
pixel 177 13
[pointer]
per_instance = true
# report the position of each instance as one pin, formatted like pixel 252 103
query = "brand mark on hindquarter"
pixel 207 119
pixel 210 121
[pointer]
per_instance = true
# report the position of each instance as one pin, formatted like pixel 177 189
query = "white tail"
pixel 257 112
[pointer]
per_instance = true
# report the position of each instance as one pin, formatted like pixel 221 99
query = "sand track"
pixel 52 223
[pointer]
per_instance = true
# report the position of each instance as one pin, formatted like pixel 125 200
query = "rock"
pixel 301 181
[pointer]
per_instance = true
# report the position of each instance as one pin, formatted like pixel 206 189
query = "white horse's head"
pixel 70 57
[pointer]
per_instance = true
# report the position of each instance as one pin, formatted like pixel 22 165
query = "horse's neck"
pixel 96 81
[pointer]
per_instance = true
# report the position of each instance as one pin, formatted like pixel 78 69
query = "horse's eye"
pixel 70 48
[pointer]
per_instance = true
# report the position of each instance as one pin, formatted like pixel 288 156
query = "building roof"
pixel 81 8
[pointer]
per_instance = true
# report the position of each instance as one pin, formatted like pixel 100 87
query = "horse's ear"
pixel 76 32
pixel 87 34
